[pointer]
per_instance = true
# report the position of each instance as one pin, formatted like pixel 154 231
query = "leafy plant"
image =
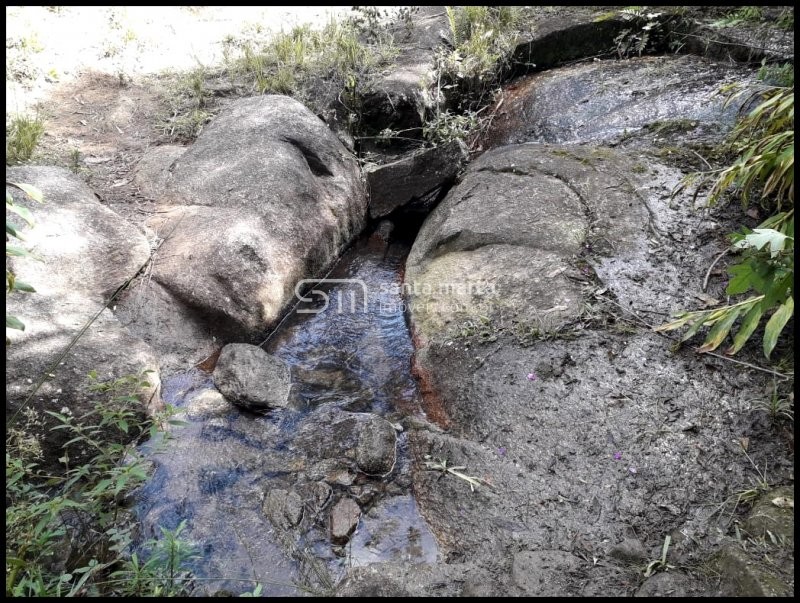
pixel 13 250
pixel 22 135
pixel 768 269
pixel 645 32
pixel 745 14
pixel 764 141
pixel 777 75
pixel 660 564
pixel 483 39
pixel 45 512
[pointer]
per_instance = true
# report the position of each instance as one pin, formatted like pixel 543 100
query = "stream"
pixel 347 359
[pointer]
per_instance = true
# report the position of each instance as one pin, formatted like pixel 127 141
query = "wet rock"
pixel 742 575
pixel 207 404
pixel 326 383
pixel 665 584
pixel 85 253
pixel 315 495
pixel 774 512
pixel 543 573
pixel 266 196
pixel 415 181
pixel 613 101
pixel 343 520
pixel 249 377
pixel 154 170
pixel 284 509
pixel 363 495
pixel 403 579
pixel 376 450
pixel 629 550
pixel 327 470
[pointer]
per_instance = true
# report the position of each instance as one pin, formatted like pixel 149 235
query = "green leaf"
pixel 33 192
pixel 12 322
pixel 775 325
pixel 20 286
pixel 12 230
pixel 742 280
pixel 22 212
pixel 761 237
pixel 717 334
pixel 19 252
pixel 749 324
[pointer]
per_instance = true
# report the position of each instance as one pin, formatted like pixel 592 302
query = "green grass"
pixel 22 135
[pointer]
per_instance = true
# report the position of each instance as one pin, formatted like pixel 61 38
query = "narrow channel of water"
pixel 351 358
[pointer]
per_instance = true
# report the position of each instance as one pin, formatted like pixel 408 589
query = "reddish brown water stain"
pixel 209 364
pixel 432 402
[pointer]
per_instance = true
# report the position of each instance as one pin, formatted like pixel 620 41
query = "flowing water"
pixel 349 358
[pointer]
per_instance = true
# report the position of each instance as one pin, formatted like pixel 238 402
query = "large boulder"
pixel 531 288
pixel 610 101
pixel 500 244
pixel 265 197
pixel 84 253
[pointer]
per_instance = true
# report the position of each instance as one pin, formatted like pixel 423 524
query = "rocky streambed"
pixel 478 406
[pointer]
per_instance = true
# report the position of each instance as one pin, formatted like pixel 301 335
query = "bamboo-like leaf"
pixel 12 322
pixel 717 335
pixel 748 326
pixel 775 325
pixel 33 192
pixel 15 251
pixel 22 212
pixel 20 286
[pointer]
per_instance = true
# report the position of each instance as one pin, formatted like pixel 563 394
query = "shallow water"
pixel 351 357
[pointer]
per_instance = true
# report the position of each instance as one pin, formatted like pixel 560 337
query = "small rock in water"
pixel 375 453
pixel 207 404
pixel 284 509
pixel 248 376
pixel 343 520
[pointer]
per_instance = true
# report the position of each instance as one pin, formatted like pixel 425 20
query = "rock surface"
pixel 85 252
pixel 543 573
pixel 284 509
pixel 550 408
pixel 266 196
pixel 343 520
pixel 395 99
pixel 208 404
pixel 415 181
pixel 249 377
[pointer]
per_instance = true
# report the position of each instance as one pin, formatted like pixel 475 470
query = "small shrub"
pixel 764 142
pixel 44 511
pixel 22 135
pixel 483 38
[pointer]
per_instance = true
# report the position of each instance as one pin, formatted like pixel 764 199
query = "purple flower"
pixel 617 456
pixel 501 451
pixel 531 376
